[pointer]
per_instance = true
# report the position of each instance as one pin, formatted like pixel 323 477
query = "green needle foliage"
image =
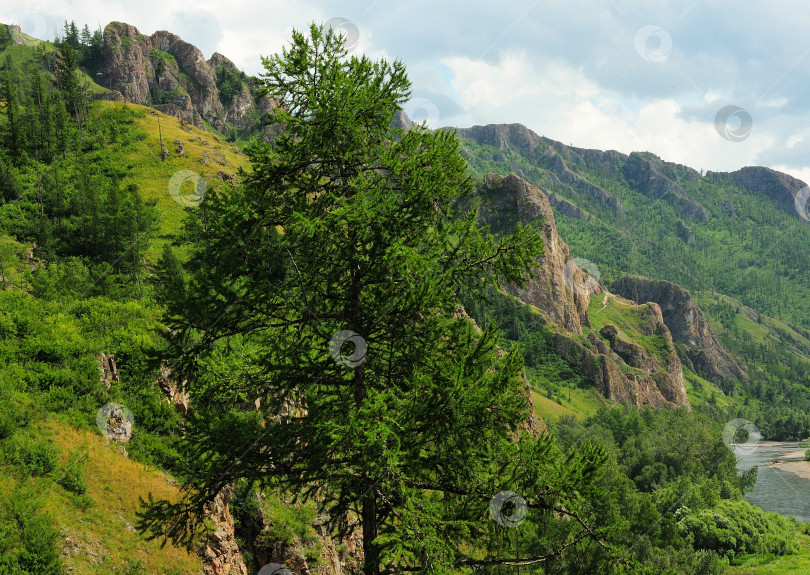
pixel 345 224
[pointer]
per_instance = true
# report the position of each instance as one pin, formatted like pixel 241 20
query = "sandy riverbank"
pixel 800 468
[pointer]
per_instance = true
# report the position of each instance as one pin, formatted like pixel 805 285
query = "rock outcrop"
pixel 567 208
pixel 555 162
pixel 221 555
pixel 626 372
pixel 701 351
pixel 108 369
pixel 171 75
pixel 562 290
pixel 503 136
pixel 648 174
pixel 115 422
pixel 780 187
pixel 175 394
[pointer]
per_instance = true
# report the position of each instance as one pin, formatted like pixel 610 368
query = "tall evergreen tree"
pixel 11 109
pixel 325 291
pixel 73 92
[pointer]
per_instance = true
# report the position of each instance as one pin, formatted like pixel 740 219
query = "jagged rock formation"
pixel 221 554
pixel 115 424
pixel 562 290
pixel 402 121
pixel 171 75
pixel 503 136
pixel 702 352
pixel 562 287
pixel 659 180
pixel 626 372
pixel 108 369
pixel 567 208
pixel 175 395
pixel 555 162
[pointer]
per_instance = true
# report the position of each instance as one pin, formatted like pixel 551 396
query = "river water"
pixel 776 490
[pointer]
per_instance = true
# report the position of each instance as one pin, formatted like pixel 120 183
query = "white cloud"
pixel 562 103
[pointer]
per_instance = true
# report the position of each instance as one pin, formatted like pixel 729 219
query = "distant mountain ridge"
pixel 172 75
pixel 652 175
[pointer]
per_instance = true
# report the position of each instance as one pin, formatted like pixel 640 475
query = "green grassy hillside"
pixel 189 148
pixel 97 526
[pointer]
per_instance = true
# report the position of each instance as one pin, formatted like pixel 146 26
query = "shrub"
pixel 734 528
pixel 38 458
pixel 72 477
pixel 12 418
pixel 40 552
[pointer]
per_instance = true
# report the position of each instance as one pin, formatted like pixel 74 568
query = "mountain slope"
pixel 739 237
pixel 629 357
pixel 737 233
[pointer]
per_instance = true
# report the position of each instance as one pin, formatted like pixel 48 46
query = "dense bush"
pixel 29 542
pixel 735 528
pixel 38 457
pixel 12 417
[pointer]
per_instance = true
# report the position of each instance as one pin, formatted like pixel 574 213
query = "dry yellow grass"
pixel 103 535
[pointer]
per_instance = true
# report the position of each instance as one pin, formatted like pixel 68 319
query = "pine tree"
pixel 86 37
pixel 326 287
pixel 11 109
pixel 73 92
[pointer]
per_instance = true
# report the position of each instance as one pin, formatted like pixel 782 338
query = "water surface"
pixel 776 490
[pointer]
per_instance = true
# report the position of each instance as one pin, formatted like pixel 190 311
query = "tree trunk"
pixel 371 553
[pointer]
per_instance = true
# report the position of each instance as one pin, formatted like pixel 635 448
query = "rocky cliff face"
pixel 780 187
pixel 221 553
pixel 625 371
pixel 171 75
pixel 702 352
pixel 563 288
pixel 648 174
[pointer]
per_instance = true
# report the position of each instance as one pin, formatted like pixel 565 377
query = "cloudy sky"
pixel 714 85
